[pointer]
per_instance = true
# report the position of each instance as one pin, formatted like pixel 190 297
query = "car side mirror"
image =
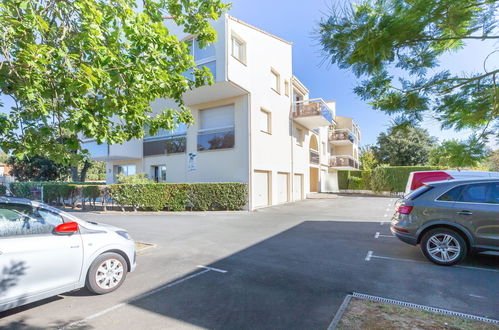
pixel 67 228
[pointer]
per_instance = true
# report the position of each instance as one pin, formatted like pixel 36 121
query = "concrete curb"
pixel 339 313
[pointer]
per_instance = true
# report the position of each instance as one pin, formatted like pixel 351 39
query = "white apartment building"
pixel 255 124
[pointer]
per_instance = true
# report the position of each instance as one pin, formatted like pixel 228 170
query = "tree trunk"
pixel 74 173
pixel 83 174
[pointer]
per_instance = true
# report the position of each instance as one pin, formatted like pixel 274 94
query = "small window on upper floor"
pixel 239 49
pixel 275 81
pixel 265 121
pixel 299 137
pixel 286 88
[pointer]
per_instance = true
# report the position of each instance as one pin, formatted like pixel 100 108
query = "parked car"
pixel 419 178
pixel 449 219
pixel 45 252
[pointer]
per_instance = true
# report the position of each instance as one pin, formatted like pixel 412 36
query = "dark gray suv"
pixel 448 219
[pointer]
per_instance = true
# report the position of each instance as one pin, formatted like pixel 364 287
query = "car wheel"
pixel 106 273
pixel 444 246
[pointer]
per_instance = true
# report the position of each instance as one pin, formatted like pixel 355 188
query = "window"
pixel 265 121
pixel 452 195
pixel 216 128
pixel 275 81
pixel 159 173
pixel 21 219
pixel 286 88
pixel 165 145
pixel 203 57
pixel 299 137
pixel 126 170
pixel 239 49
pixel 473 193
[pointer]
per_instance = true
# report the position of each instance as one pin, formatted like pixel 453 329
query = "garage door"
pixel 261 185
pixel 298 187
pixel 282 188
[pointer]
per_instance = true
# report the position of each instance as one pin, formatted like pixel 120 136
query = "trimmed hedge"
pixel 394 178
pixel 382 178
pixel 144 196
pixel 3 190
pixel 178 196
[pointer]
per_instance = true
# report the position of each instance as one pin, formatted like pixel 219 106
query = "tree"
pixel 404 146
pixel 491 163
pixel 458 154
pixel 394 46
pixel 367 158
pixel 91 68
pixel 37 168
pixel 97 171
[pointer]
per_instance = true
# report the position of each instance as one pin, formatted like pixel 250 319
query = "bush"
pixel 3 190
pixel 356 183
pixel 177 196
pixel 23 189
pixel 59 193
pixel 394 178
pixel 218 196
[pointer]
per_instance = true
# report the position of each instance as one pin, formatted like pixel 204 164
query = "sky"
pixel 296 21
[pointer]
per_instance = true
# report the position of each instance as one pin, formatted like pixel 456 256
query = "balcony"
pixel 312 113
pixel 343 163
pixel 102 152
pixel 341 136
pixel 314 157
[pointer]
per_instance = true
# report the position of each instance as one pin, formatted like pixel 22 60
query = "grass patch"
pixel 366 314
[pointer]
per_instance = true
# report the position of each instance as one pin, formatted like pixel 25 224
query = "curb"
pixel 339 314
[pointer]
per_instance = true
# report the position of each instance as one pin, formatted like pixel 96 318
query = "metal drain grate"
pixel 426 308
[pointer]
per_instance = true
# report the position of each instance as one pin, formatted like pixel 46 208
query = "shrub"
pixel 139 178
pixel 177 196
pixel 356 183
pixel 218 196
pixel 23 189
pixel 3 190
pixel 59 193
pixel 394 178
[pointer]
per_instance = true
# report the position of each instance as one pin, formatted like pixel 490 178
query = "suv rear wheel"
pixel 443 246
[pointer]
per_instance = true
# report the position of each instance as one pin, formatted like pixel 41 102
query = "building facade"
pixel 255 124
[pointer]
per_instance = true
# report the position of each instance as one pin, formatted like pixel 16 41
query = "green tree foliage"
pixel 394 46
pixel 97 171
pixel 404 146
pixel 37 168
pixel 92 67
pixel 458 154
pixel 491 163
pixel 367 158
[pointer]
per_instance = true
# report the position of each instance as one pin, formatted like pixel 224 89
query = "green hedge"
pixel 382 178
pixel 394 178
pixel 3 190
pixel 178 196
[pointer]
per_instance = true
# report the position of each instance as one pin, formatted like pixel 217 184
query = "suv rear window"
pixel 452 195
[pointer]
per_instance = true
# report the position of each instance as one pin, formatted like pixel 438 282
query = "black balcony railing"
pixel 314 157
pixel 343 161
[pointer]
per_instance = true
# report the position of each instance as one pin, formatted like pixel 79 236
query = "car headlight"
pixel 124 234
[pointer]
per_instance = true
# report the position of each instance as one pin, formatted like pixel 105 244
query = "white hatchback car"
pixel 45 252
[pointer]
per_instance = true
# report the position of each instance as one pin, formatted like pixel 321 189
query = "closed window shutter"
pixel 217 117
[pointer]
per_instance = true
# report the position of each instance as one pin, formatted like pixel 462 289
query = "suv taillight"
pixel 404 209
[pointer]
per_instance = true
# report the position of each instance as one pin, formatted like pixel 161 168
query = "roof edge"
pixel 258 29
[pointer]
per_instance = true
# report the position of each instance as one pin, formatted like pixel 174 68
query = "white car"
pixel 45 252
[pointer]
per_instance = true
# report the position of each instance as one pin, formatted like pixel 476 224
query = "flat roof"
pixel 259 30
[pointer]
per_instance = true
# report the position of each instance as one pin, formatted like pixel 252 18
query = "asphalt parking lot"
pixel 288 266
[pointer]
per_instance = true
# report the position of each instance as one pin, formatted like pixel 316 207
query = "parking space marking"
pixel 371 255
pixel 144 295
pixel 378 235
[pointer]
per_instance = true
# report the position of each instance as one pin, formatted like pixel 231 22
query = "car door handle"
pixel 465 213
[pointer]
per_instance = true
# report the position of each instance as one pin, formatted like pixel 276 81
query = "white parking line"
pixel 371 255
pixel 147 294
pixel 378 235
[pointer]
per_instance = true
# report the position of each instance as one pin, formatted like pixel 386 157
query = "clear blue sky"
pixel 295 21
